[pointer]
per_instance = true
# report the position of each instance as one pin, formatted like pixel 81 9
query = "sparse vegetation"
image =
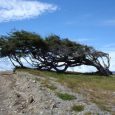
pixel 51 87
pixel 101 104
pixel 78 108
pixel 47 84
pixel 36 79
pixel 65 96
pixel 88 113
pixel 96 89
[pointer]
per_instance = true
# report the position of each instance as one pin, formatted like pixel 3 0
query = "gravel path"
pixel 25 94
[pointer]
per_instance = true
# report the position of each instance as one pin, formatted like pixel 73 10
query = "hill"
pixel 34 92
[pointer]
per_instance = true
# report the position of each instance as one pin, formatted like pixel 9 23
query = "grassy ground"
pixel 98 89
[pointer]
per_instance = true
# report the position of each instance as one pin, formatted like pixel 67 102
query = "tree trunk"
pixel 103 71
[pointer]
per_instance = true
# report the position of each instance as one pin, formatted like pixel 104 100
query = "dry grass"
pixel 88 113
pixel 46 83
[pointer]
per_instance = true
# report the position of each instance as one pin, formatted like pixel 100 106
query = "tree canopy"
pixel 51 52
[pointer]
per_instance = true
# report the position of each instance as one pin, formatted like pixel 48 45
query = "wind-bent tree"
pixel 22 44
pixel 51 52
pixel 66 53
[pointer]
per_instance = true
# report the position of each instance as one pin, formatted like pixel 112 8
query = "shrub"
pixel 78 108
pixel 65 96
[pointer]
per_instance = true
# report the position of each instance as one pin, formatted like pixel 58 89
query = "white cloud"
pixel 112 60
pixel 5 64
pixel 83 69
pixel 22 9
pixel 110 49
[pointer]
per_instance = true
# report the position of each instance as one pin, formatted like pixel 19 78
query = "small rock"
pixel 30 100
pixel 34 81
pixel 18 95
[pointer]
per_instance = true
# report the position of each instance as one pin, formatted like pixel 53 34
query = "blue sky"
pixel 90 22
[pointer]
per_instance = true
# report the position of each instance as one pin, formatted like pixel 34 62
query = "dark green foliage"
pixel 51 52
pixel 78 108
pixel 65 96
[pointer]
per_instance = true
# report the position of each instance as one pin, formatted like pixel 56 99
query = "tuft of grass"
pixel 46 83
pixel 101 105
pixel 51 87
pixel 88 113
pixel 66 96
pixel 36 79
pixel 78 108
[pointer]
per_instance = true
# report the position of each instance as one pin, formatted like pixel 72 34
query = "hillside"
pixel 32 92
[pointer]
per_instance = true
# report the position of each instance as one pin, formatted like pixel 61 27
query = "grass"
pixel 46 83
pixel 98 89
pixel 101 105
pixel 78 108
pixel 51 87
pixel 65 96
pixel 36 79
pixel 88 113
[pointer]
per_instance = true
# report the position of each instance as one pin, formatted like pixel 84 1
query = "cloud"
pixel 110 49
pixel 112 60
pixel 5 64
pixel 23 9
pixel 82 68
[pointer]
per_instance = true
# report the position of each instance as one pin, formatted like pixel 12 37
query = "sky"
pixel 90 22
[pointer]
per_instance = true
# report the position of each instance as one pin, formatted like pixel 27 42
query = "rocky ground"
pixel 25 94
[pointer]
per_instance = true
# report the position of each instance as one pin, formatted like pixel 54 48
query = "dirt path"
pixel 6 81
pixel 26 94
pixel 2 98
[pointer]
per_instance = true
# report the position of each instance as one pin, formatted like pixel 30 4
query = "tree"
pixel 51 52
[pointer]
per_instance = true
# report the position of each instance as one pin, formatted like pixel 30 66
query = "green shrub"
pixel 65 96
pixel 78 108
